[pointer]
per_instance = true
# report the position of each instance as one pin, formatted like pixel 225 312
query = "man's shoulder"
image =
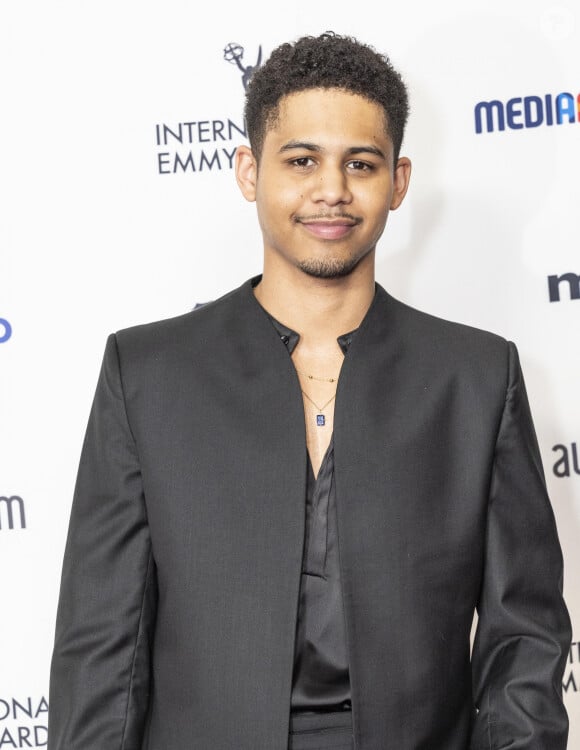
pixel 451 329
pixel 438 337
pixel 197 327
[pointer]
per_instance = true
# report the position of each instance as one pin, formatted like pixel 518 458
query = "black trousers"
pixel 321 731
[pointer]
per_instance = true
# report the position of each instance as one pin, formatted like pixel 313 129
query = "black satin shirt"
pixel 320 680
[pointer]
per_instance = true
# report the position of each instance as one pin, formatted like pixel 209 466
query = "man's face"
pixel 325 182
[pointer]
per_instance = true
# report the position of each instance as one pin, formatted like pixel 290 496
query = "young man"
pixel 291 501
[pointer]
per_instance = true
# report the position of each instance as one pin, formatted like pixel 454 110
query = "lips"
pixel 329 229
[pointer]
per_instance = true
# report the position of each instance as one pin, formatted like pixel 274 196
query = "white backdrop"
pixel 94 238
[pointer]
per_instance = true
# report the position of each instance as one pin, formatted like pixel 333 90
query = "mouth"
pixel 329 229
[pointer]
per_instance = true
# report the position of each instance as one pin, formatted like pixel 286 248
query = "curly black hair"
pixel 326 61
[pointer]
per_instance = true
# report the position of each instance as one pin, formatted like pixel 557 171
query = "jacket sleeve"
pixel 523 634
pixel 100 666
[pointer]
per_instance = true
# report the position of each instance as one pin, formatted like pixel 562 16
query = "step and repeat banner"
pixel 119 206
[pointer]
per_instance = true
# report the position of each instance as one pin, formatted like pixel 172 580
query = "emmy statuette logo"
pixel 234 54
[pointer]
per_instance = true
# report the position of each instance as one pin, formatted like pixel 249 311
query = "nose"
pixel 330 186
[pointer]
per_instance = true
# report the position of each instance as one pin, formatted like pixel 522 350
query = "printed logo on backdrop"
pixel 557 283
pixel 5 330
pixel 527 112
pixel 23 722
pixel 234 53
pixel 12 514
pixel 571 682
pixel 208 143
pixel 568 460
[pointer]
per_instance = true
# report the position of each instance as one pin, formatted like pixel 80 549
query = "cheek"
pixel 377 204
pixel 287 203
pixel 377 211
pixel 276 215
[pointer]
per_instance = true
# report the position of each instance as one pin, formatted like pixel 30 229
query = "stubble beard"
pixel 330 268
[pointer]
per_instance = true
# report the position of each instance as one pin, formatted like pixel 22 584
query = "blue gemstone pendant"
pixel 320 420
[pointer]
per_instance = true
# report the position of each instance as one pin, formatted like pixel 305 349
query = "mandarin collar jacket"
pixel 179 595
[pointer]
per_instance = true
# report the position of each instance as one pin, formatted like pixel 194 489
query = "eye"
pixel 360 166
pixel 302 162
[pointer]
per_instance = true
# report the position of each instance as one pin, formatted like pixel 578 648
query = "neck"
pixel 320 310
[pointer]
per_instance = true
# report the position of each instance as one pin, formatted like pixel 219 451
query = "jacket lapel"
pixel 379 391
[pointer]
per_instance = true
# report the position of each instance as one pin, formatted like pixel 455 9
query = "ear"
pixel 246 172
pixel 400 181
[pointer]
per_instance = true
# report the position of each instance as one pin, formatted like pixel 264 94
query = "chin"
pixel 328 268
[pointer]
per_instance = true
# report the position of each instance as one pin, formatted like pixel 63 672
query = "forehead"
pixel 328 115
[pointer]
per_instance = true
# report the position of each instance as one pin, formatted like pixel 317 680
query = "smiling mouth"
pixel 331 228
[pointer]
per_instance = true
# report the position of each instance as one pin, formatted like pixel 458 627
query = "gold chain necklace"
pixel 313 377
pixel 320 418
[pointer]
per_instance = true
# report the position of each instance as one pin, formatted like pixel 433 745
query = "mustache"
pixel 328 216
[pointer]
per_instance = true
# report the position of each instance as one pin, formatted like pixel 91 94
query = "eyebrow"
pixel 305 146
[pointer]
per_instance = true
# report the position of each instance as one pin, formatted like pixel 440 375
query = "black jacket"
pixel 179 595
